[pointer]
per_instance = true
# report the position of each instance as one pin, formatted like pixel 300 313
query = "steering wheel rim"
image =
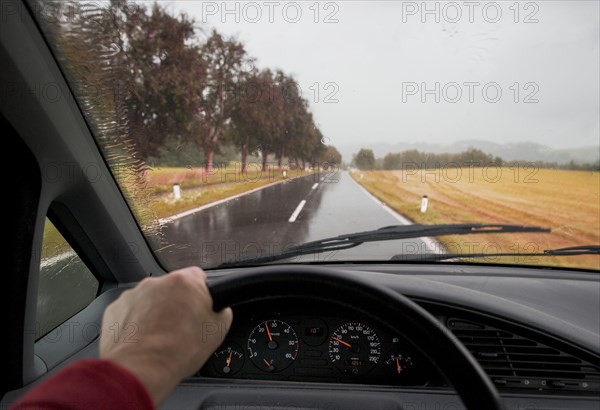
pixel 435 341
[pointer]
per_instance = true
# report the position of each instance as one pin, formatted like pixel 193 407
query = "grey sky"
pixel 376 48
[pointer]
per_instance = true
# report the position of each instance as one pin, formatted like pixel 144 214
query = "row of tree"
pixel 365 160
pixel 171 87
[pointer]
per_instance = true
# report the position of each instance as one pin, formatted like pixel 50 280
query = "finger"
pixel 193 273
pixel 195 270
pixel 226 317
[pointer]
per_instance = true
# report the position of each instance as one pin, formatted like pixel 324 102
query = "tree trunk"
pixel 280 159
pixel 265 157
pixel 244 158
pixel 208 160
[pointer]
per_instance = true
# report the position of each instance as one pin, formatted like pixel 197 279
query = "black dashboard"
pixel 535 333
pixel 317 342
pixel 298 340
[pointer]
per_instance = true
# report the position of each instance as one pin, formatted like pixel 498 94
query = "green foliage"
pixel 187 154
pixel 330 155
pixel 178 99
pixel 470 158
pixel 365 159
pixel 414 158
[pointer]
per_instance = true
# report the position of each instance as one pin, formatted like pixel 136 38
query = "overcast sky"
pixel 374 57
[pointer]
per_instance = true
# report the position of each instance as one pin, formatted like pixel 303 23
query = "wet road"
pixel 290 213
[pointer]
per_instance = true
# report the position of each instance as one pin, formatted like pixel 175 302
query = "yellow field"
pixel 568 202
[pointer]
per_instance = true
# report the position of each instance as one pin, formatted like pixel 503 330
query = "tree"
pixel 223 60
pixel 392 161
pixel 273 120
pixel 329 156
pixel 249 116
pixel 365 159
pixel 296 118
pixel 152 85
pixel 165 77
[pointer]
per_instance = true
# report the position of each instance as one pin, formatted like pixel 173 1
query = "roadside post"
pixel 176 191
pixel 424 203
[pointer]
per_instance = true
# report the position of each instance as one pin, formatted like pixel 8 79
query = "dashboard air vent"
pixel 513 361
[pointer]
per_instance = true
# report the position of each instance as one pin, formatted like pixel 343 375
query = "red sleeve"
pixel 88 384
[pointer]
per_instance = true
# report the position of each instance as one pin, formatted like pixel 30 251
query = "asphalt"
pixel 269 220
pixel 258 222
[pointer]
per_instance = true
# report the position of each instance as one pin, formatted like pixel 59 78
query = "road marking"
pixel 172 218
pixel 315 186
pixel 431 244
pixel 297 211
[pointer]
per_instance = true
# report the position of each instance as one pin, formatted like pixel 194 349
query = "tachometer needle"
pixel 268 332
pixel 342 342
pixel 267 362
pixel 229 358
pixel 398 368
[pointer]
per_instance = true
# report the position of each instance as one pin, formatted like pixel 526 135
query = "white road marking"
pixel 297 211
pixel 172 218
pixel 315 186
pixel 433 245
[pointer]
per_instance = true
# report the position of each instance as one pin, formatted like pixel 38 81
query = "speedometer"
pixel 354 348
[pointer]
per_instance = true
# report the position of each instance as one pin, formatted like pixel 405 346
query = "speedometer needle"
pixel 398 368
pixel 342 342
pixel 229 358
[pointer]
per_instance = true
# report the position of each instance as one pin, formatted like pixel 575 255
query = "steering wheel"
pixel 396 311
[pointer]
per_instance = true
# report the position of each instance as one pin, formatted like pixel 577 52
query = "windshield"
pixel 243 129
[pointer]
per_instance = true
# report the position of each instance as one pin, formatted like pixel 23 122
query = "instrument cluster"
pixel 320 344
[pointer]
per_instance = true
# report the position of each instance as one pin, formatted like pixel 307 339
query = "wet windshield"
pixel 243 129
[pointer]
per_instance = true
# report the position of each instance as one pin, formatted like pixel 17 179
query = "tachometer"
pixel 273 345
pixel 354 348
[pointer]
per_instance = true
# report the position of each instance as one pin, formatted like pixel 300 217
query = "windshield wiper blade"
pixel 431 257
pixel 386 233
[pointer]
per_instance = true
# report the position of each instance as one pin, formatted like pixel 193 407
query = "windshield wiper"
pixel 430 257
pixel 387 233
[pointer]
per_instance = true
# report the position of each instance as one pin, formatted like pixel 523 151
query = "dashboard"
pixel 319 343
pixel 536 334
pixel 304 340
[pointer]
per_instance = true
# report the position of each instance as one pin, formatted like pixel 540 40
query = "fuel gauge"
pixel 399 364
pixel 228 360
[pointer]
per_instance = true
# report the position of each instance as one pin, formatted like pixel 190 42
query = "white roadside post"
pixel 177 191
pixel 284 173
pixel 424 203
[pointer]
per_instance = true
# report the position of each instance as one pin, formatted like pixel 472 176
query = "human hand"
pixel 164 329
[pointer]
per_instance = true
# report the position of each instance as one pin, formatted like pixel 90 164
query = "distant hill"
pixel 524 151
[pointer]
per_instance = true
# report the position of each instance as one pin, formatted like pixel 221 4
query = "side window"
pixel 65 285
